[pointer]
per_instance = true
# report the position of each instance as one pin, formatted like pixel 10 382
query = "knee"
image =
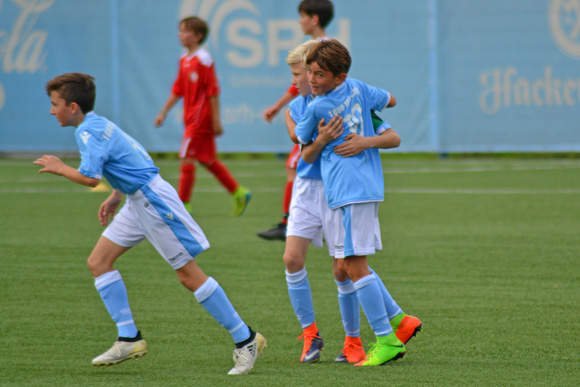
pixel 96 266
pixel 340 275
pixel 293 263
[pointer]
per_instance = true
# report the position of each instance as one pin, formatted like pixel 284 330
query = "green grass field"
pixel 486 251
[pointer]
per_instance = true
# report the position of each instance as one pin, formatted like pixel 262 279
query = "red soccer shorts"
pixel 200 148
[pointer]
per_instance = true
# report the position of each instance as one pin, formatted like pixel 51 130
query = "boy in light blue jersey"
pixel 353 185
pixel 307 223
pixel 152 210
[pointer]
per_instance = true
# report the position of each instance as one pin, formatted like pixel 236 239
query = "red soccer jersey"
pixel 196 83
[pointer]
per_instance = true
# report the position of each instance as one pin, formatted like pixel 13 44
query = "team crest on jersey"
pixel 193 76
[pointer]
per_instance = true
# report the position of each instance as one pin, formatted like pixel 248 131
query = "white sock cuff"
pixel 364 281
pixel 206 290
pixel 296 278
pixel 346 287
pixel 107 279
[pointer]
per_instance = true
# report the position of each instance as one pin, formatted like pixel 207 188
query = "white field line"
pixel 205 175
pixel 497 191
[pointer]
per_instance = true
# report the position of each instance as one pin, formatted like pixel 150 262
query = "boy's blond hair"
pixel 300 53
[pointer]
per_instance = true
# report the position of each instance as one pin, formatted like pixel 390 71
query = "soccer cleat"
pixel 382 353
pixel 278 232
pixel 245 357
pixel 313 344
pixel 352 352
pixel 121 351
pixel 188 207
pixel 242 197
pixel 408 328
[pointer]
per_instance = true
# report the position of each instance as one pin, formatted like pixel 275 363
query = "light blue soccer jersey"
pixel 108 151
pixel 303 169
pixel 356 179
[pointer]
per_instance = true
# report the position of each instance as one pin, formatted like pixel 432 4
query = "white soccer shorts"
pixel 308 210
pixel 354 229
pixel 155 212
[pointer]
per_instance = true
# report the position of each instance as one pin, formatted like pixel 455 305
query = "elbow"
pixel 294 139
pixel 93 183
pixel 396 141
pixel 392 102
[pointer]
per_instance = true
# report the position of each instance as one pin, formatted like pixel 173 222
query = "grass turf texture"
pixel 484 251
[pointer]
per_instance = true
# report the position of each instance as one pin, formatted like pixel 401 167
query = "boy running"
pixel 152 210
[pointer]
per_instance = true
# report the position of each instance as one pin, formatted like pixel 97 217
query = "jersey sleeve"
pixel 93 151
pixel 295 110
pixel 307 127
pixel 379 98
pixel 379 125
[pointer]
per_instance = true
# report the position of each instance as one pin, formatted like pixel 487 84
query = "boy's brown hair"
pixel 75 87
pixel 197 25
pixel 321 8
pixel 331 56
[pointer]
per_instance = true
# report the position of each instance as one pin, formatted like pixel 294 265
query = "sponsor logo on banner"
pixel 504 87
pixel 22 46
pixel 246 36
pixel 564 18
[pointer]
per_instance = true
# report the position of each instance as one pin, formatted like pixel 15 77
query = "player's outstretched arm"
pixel 326 134
pixel 171 101
pixel 109 207
pixel 54 165
pixel 272 111
pixel 356 144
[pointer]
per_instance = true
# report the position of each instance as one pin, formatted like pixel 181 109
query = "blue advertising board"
pixel 499 75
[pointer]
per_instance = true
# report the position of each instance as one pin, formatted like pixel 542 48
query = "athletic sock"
pixel 390 339
pixel 213 298
pixel 396 320
pixel 301 296
pixel 310 330
pixel 223 175
pixel 114 294
pixel 371 300
pixel 392 308
pixel 186 182
pixel 349 308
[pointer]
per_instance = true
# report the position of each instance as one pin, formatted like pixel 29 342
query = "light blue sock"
pixel 392 308
pixel 349 308
pixel 213 298
pixel 371 300
pixel 114 294
pixel 301 297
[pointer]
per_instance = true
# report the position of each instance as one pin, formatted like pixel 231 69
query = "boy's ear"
pixel 315 19
pixel 340 78
pixel 199 36
pixel 74 108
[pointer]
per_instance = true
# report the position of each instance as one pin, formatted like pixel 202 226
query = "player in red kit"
pixel 198 85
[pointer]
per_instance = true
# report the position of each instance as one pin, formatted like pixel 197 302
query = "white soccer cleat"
pixel 121 351
pixel 245 357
